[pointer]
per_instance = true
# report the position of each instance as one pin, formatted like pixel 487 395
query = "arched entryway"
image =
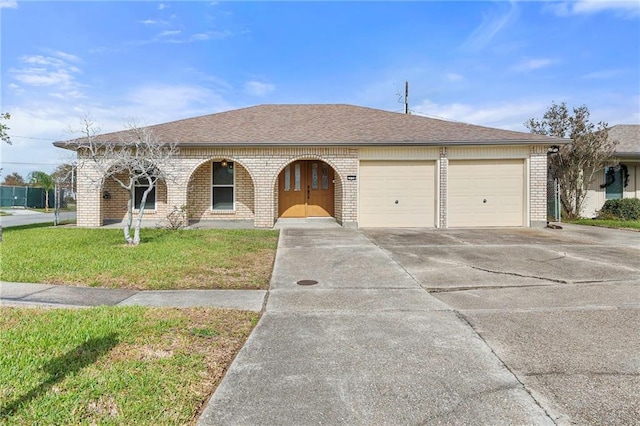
pixel 220 188
pixel 306 188
pixel 114 199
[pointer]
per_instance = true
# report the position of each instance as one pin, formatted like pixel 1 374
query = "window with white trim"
pixel 139 187
pixel 223 186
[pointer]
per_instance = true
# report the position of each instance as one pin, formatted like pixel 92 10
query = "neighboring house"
pixel 362 166
pixel 622 178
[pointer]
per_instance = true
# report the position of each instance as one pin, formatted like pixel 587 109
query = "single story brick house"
pixel 364 167
pixel 622 178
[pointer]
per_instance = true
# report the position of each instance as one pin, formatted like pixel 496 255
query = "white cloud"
pixel 43 77
pixel 175 37
pixel 162 6
pixel 39 121
pixel 603 74
pixel 257 88
pixel 33 130
pixel 624 9
pixel 491 25
pixel 505 115
pixel 8 4
pixel 533 64
pixel 172 100
pixel 65 56
pixel 50 71
pixel 149 22
pixel 453 77
pixel 170 33
pixel 71 94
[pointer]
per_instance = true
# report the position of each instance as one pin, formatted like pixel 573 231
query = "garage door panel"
pixel 486 193
pixel 397 194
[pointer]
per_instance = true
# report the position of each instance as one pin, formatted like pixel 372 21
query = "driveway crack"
pixel 463 318
pixel 515 274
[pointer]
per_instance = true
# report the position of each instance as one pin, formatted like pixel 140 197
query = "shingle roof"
pixel 332 124
pixel 628 136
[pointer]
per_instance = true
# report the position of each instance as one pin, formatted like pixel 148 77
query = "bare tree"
pixel 137 158
pixel 576 164
pixel 64 175
pixel 4 136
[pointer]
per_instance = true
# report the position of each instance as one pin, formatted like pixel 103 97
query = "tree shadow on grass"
pixel 60 367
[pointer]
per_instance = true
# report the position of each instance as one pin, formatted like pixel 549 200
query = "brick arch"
pixel 274 178
pixel 221 157
pixel 338 188
pixel 198 191
pixel 114 208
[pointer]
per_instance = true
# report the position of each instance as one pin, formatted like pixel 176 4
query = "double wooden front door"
pixel 305 189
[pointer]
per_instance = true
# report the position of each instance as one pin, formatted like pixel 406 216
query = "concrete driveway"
pixel 560 308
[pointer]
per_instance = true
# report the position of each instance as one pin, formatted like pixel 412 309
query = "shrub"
pixel 622 209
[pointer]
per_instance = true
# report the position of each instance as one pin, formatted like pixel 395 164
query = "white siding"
pixel 398 153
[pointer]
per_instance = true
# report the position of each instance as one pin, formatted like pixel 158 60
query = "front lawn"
pixel 166 259
pixel 629 224
pixel 114 365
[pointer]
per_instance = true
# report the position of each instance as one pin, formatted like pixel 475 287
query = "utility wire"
pixel 30 164
pixel 34 138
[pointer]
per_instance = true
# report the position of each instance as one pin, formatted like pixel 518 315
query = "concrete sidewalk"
pixel 21 294
pixel 365 345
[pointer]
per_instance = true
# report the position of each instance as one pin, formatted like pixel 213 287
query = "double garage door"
pixel 480 193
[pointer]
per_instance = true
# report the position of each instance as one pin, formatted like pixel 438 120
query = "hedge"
pixel 622 209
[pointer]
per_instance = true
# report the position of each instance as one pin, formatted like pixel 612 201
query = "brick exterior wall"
pixel 538 185
pixel 256 185
pixel 257 171
pixel 199 195
pixel 115 208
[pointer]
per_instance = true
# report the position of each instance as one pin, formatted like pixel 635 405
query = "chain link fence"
pixel 13 196
pixel 554 207
pixel 27 197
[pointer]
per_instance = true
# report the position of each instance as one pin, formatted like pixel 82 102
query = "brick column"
pixel 264 204
pixel 538 185
pixel 347 165
pixel 88 196
pixel 443 171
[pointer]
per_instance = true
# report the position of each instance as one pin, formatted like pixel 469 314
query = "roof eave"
pixel 73 146
pixel 373 143
pixel 626 155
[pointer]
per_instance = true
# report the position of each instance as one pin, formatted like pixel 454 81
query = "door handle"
pixel 308 192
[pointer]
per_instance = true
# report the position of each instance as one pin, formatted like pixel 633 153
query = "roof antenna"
pixel 406 97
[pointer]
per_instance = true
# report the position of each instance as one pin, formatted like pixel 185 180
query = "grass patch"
pixel 4 213
pixel 114 365
pixel 618 224
pixel 166 259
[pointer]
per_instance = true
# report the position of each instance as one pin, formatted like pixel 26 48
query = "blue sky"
pixel 489 63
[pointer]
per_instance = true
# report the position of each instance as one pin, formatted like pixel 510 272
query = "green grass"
pixel 620 224
pixel 4 213
pixel 113 365
pixel 166 259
